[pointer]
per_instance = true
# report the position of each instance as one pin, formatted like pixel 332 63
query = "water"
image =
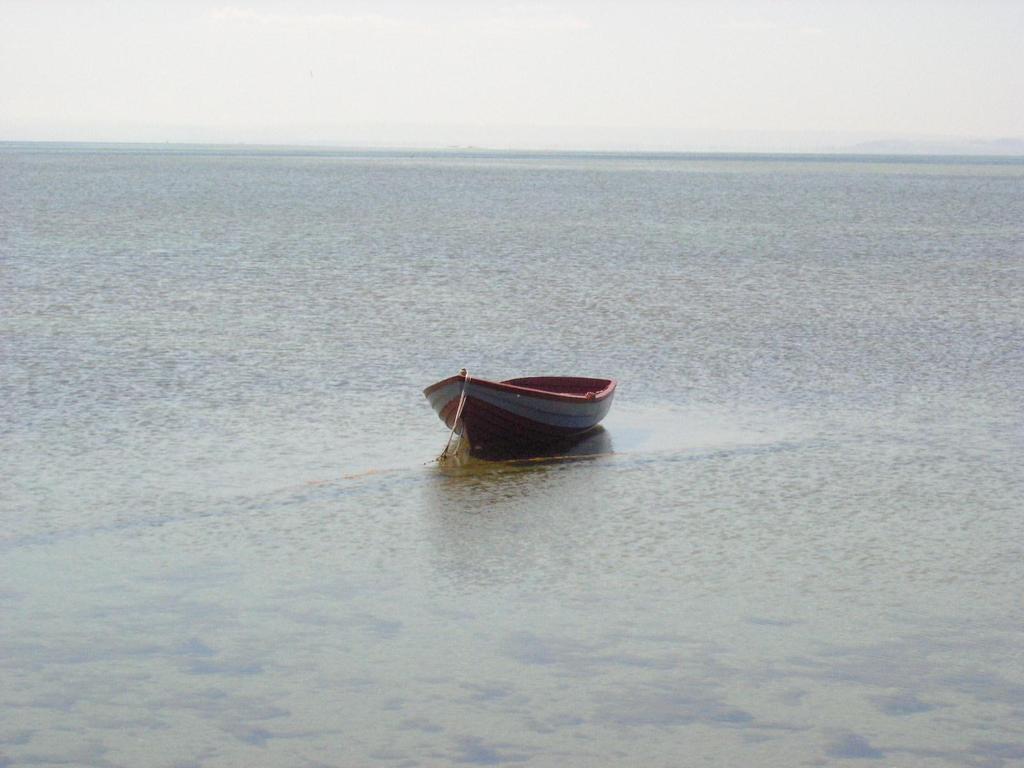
pixel 223 540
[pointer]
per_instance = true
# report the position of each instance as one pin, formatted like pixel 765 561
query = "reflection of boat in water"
pixel 520 414
pixel 592 443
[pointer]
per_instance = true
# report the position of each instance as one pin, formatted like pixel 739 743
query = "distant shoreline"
pixel 869 152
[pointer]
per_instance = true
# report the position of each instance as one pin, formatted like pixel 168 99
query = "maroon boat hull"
pixel 535 410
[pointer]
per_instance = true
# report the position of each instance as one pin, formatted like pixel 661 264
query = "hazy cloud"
pixel 234 13
pixel 536 17
pixel 526 17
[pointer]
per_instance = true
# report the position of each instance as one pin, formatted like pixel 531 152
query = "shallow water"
pixel 224 539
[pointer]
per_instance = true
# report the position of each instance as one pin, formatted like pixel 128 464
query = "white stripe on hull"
pixel 555 413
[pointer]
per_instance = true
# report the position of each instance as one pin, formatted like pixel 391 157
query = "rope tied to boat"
pixel 458 414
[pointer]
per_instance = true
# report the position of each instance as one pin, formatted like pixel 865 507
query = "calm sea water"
pixel 224 541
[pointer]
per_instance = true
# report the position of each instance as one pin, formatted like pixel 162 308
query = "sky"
pixel 733 74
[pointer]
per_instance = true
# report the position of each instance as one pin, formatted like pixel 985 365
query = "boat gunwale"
pixel 546 394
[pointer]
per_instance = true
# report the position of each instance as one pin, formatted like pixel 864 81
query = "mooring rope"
pixel 458 414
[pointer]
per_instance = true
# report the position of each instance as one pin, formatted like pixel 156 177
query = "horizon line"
pixel 868 148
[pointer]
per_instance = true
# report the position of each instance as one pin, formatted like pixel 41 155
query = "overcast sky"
pixel 682 75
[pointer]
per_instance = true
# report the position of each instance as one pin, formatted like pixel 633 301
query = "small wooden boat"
pixel 534 410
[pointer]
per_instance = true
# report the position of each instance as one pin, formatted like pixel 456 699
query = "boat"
pixel 522 412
